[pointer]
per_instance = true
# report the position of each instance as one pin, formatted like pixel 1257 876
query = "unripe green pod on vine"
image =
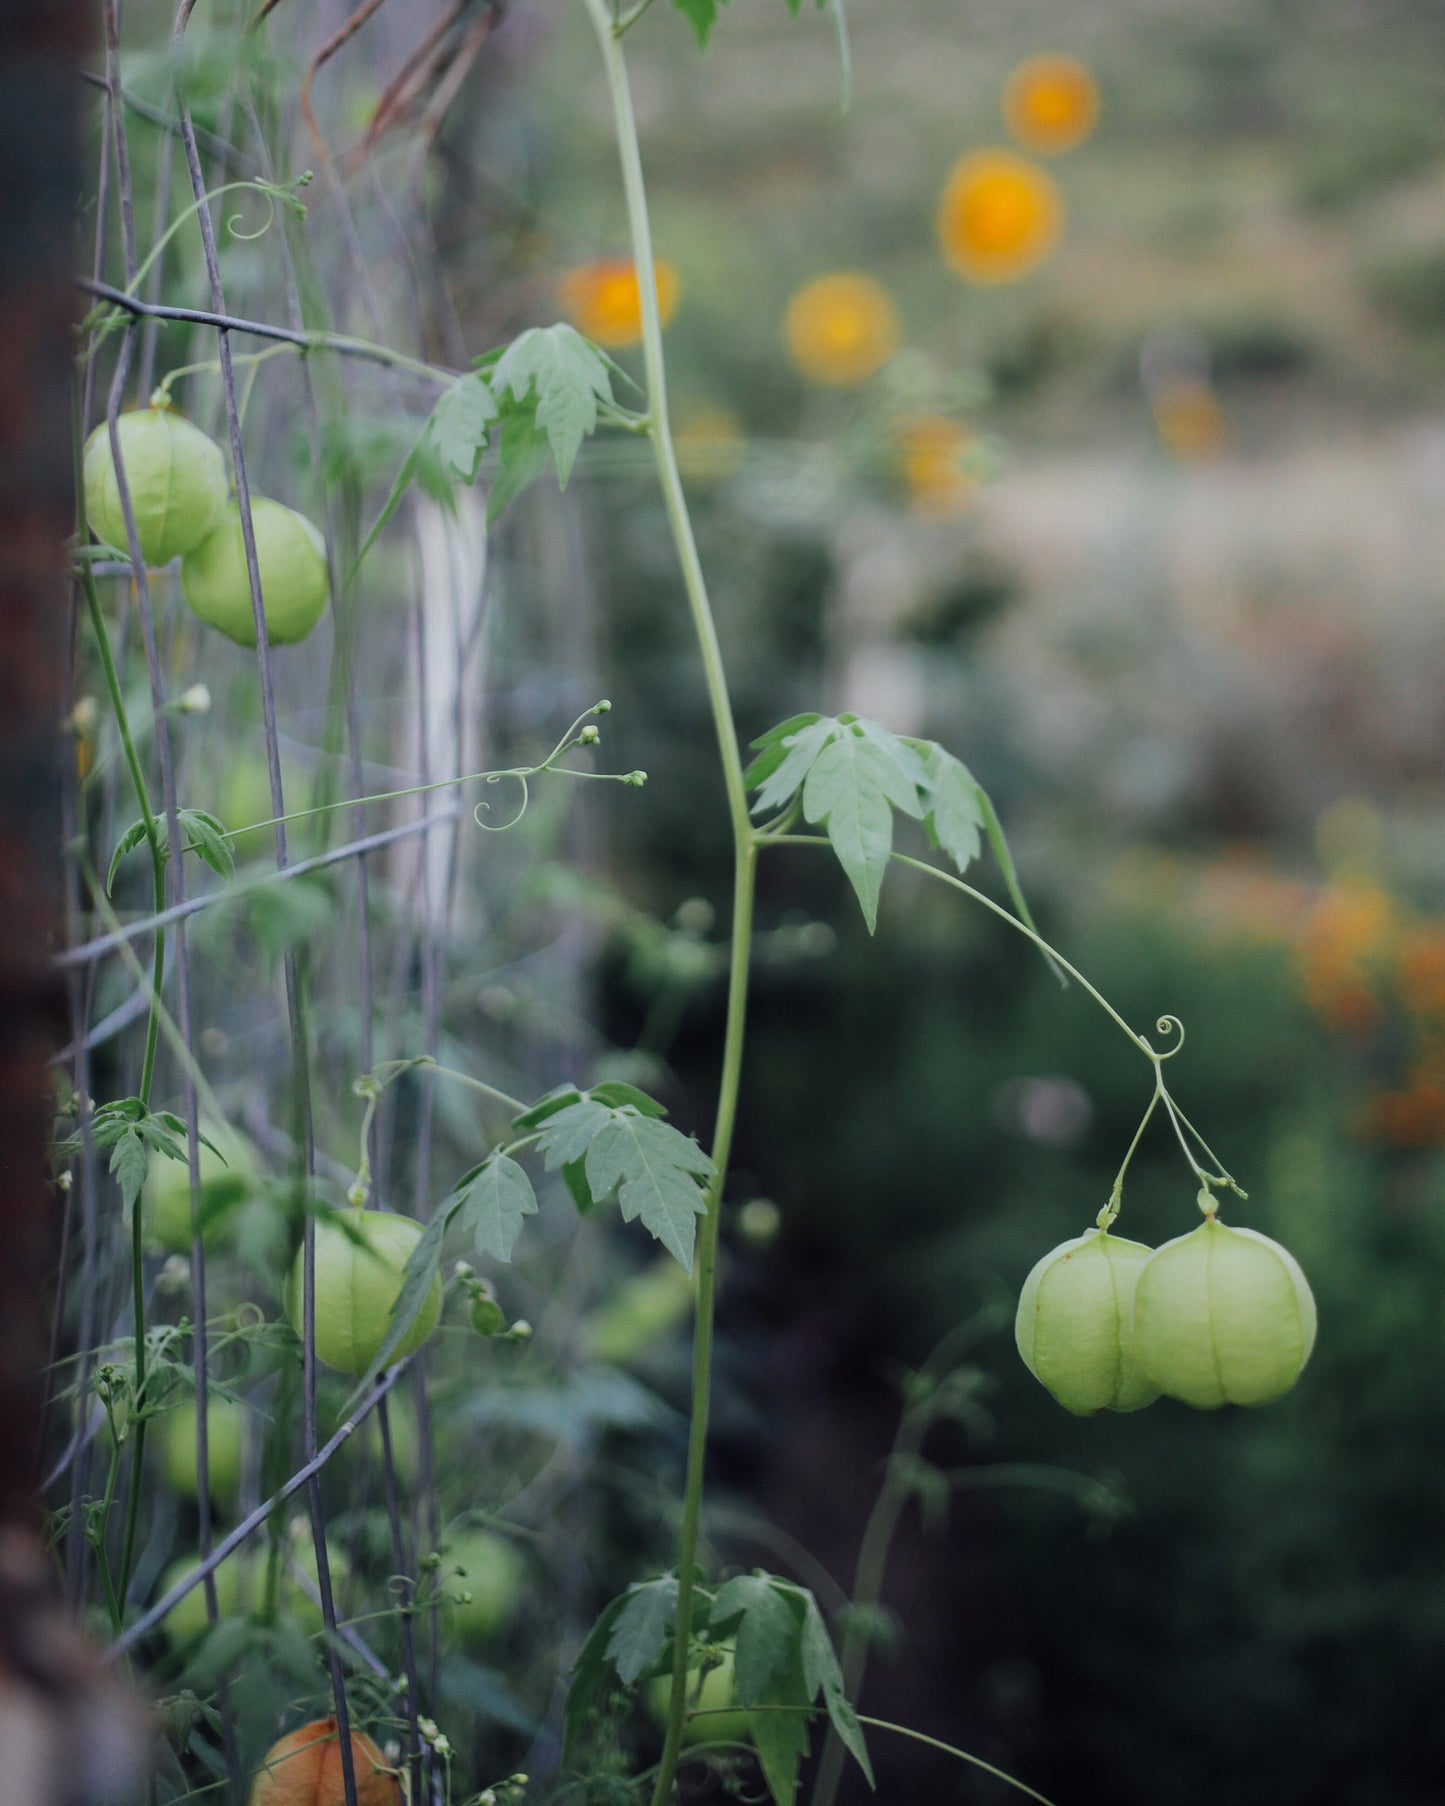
pixel 1073 1326
pixel 357 1283
pixel 291 559
pixel 1223 1317
pixel 176 477
pixel 228 1177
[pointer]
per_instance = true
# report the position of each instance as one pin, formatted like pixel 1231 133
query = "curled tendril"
pixel 248 1316
pixel 502 827
pixel 1169 1025
pixel 233 222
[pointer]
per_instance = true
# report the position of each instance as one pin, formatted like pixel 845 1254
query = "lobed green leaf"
pixel 851 791
pixel 642 1627
pixel 565 377
pixel 492 1203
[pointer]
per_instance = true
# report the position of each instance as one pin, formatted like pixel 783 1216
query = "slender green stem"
pixel 609 35
pixel 148 1063
pixel 1111 1210
pixel 952 1749
pixel 628 19
pixel 1032 934
pixel 148 817
pixel 1165 1024
pixel 899 1730
pixel 102 1560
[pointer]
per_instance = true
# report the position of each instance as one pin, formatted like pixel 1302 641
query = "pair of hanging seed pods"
pixel 176 477
pixel 1217 1317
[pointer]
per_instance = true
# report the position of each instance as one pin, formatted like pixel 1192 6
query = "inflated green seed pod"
pixel 1073 1324
pixel 1223 1317
pixel 357 1283
pixel 291 559
pixel 176 477
pixel 228 1177
pixel 225 1442
pixel 485 1577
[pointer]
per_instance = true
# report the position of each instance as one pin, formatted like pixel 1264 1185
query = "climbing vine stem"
pixel 744 852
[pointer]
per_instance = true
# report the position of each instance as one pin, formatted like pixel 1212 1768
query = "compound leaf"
pixel 128 1162
pixel 701 15
pixel 459 424
pixel 132 838
pixel 521 459
pixel 655 1170
pixel 491 1204
pixel 954 816
pixel 593 1676
pixel 566 377
pixel 767 1639
pixel 206 835
pixel 642 1627
pixel 821 1669
pixel 568 1134
pixel 780 769
pixel 852 789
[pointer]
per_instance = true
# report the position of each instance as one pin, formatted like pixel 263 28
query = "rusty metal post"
pixel 68 1732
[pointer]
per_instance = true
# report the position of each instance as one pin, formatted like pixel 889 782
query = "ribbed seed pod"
pixel 357 1283
pixel 1073 1326
pixel 291 560
pixel 176 477
pixel 304 1769
pixel 1223 1317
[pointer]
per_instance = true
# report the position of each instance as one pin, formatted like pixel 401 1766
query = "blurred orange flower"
pixel 1188 418
pixel 604 300
pixel 1050 104
pixel 931 449
pixel 1341 948
pixel 1421 973
pixel 1413 1117
pixel 841 329
pixel 999 218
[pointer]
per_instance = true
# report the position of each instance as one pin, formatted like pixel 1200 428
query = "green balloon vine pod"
pixel 359 1268
pixel 291 560
pixel 176 477
pixel 1074 1326
pixel 1223 1316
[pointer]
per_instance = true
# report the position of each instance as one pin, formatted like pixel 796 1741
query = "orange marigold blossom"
pixel 931 449
pixel 304 1769
pixel 1345 940
pixel 1051 104
pixel 841 329
pixel 1414 1116
pixel 1420 974
pixel 999 218
pixel 604 300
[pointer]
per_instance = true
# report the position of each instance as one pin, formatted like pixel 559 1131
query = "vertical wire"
pixel 345 651
pixel 175 885
pixel 295 1004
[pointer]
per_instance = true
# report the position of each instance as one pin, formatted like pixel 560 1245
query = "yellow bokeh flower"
pixel 1050 104
pixel 604 300
pixel 841 329
pixel 999 218
pixel 931 450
